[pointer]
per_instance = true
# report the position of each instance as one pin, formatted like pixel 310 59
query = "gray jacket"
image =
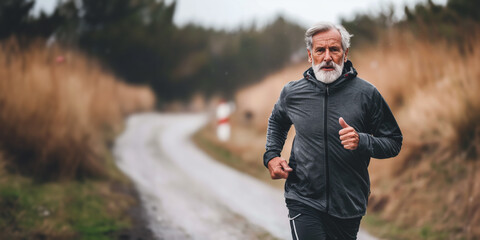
pixel 326 176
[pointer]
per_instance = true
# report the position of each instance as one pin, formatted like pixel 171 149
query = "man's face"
pixel 327 56
pixel 327 47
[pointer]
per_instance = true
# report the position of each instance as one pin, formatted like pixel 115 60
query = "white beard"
pixel 327 76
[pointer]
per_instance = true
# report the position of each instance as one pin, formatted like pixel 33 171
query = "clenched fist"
pixel 279 168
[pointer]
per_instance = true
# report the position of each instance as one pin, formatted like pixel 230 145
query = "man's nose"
pixel 328 56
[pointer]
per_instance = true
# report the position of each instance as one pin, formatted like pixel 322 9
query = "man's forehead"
pixel 326 41
pixel 329 37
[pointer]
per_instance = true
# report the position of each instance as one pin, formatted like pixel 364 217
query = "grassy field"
pixel 60 113
pixel 432 189
pixel 79 209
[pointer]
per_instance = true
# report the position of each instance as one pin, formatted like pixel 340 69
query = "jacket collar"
pixel 348 74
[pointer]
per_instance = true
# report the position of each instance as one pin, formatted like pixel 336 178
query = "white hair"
pixel 323 27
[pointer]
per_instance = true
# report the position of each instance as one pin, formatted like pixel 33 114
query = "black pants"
pixel 308 223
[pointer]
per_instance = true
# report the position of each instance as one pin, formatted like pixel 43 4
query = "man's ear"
pixel 309 56
pixel 346 54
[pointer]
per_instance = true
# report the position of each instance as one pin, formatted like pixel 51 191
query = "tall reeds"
pixel 433 89
pixel 58 108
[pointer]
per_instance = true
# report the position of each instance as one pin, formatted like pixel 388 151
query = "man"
pixel 340 121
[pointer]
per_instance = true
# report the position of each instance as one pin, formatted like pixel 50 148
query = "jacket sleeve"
pixel 385 138
pixel 278 125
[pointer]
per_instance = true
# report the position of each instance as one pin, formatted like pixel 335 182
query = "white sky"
pixel 230 14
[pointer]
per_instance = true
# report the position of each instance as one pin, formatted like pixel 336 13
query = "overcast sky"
pixel 230 14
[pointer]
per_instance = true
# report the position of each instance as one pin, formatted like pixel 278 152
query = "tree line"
pixel 139 42
pixel 455 22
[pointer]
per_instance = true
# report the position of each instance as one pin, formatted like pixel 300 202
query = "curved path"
pixel 188 195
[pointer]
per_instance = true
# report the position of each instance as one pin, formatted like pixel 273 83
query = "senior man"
pixel 340 121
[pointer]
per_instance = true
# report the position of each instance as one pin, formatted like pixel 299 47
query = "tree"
pixel 14 17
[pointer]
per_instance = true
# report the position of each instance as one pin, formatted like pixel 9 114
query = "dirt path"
pixel 187 194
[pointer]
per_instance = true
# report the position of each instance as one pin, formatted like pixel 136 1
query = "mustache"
pixel 327 64
pixel 319 66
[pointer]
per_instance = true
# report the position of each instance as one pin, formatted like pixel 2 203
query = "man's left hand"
pixel 348 135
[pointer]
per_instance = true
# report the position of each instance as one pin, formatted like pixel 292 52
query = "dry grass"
pixel 258 100
pixel 433 187
pixel 434 183
pixel 57 115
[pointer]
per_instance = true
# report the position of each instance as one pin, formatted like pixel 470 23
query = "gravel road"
pixel 188 195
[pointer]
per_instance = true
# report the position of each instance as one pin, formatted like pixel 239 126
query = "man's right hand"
pixel 279 168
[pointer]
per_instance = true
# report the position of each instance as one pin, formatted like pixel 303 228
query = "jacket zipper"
pixel 325 136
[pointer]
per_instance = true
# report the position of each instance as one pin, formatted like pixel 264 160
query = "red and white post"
pixel 223 124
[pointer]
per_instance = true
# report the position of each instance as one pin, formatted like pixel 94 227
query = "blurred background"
pixel 73 71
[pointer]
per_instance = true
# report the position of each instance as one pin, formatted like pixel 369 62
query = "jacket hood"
pixel 348 73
